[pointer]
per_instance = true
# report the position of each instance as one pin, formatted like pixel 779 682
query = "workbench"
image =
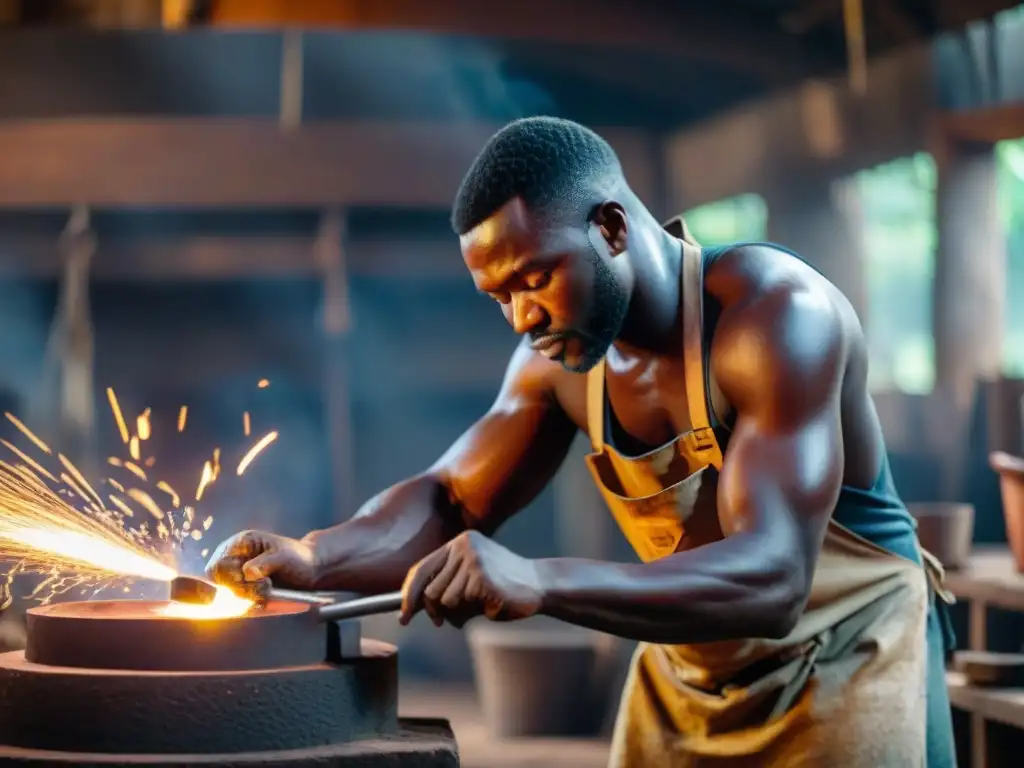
pixel 990 581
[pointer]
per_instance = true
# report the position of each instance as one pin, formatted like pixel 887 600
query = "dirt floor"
pixel 479 750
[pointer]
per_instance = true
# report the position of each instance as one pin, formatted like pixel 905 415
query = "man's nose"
pixel 526 315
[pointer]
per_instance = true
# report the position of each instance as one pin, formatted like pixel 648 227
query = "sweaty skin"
pixel 788 355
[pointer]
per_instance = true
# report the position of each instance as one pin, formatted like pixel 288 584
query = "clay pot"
pixel 1011 482
pixel 946 530
pixel 536 678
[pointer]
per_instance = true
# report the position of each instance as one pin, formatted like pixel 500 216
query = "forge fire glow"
pixel 55 526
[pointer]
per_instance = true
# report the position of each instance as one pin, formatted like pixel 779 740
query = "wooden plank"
pixel 252 162
pixel 990 578
pixel 1001 705
pixel 692 31
pixel 984 125
pixel 211 258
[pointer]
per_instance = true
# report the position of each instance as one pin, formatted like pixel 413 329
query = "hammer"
pixel 188 589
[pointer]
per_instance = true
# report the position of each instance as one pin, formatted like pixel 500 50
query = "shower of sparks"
pixel 56 526
pixel 255 451
pixel 89 546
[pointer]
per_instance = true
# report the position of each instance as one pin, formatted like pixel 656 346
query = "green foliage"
pixel 898 203
pixel 1010 155
pixel 734 220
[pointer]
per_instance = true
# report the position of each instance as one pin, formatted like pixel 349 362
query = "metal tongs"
pixel 188 589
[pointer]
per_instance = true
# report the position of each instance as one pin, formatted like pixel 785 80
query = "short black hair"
pixel 553 164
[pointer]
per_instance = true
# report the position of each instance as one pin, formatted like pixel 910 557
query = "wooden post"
pixel 336 323
pixel 970 269
pixel 291 79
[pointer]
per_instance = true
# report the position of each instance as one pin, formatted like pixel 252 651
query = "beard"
pixel 608 308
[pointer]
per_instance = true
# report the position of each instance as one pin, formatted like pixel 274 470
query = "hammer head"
pixel 188 589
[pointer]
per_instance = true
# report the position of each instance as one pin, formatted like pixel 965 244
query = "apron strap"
pixel 692 285
pixel 595 406
pixel 693 336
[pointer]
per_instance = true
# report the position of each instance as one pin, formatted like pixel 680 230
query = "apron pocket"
pixel 761 693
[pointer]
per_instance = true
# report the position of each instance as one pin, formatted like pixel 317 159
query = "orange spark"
pixel 80 478
pixel 143 425
pixel 255 451
pixel 29 434
pixel 263 383
pixel 70 483
pixel 182 418
pixel 115 408
pixel 136 470
pixel 32 464
pixel 246 425
pixel 146 501
pixel 133 447
pixel 121 505
pixel 175 500
pixel 205 480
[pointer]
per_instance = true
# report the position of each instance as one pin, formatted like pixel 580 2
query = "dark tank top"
pixel 876 514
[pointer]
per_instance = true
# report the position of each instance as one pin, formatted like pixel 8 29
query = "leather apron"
pixel 846 688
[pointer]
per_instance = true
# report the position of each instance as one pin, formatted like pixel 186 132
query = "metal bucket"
pixel 541 679
pixel 946 530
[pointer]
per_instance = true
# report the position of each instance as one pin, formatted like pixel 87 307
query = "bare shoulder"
pixel 532 379
pixel 785 332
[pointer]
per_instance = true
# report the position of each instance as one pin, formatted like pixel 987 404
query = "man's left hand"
pixel 471 576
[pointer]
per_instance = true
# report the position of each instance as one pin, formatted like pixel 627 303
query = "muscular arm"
pixel 779 360
pixel 492 471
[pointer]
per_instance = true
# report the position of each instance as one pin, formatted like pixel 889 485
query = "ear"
pixel 610 218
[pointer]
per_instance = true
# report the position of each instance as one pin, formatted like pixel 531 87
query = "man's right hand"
pixel 248 561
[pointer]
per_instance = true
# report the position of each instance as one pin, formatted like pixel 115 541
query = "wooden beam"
pixel 764 145
pixel 252 162
pixel 984 125
pixel 692 31
pixel 212 258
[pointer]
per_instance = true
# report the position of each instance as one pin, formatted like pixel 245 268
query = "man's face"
pixel 559 284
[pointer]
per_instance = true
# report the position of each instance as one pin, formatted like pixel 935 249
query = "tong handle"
pixel 389 602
